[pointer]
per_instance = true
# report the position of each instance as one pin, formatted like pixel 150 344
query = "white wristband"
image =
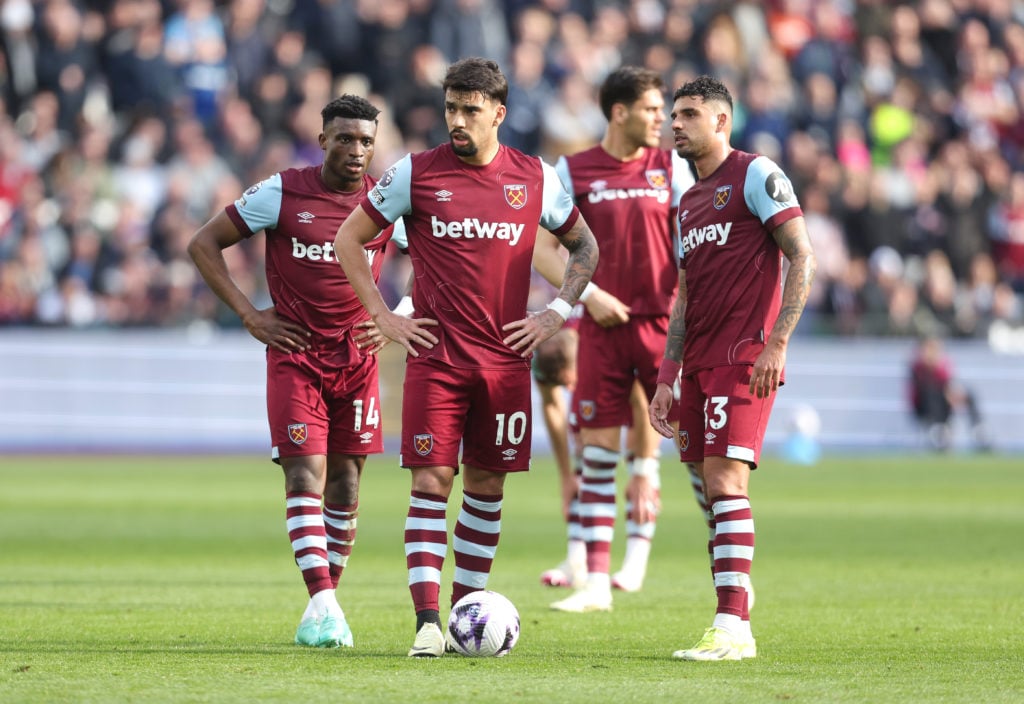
pixel 648 467
pixel 560 307
pixel 404 307
pixel 590 288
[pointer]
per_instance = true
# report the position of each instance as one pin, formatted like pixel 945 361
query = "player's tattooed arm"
pixel 791 236
pixel 668 373
pixel 583 255
pixel 677 323
pixel 795 244
pixel 525 335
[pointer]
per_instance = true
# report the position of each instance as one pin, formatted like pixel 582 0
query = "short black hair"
pixel 707 88
pixel 351 107
pixel 554 356
pixel 625 85
pixel 477 75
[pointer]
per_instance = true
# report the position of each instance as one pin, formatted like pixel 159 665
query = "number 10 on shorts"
pixel 514 425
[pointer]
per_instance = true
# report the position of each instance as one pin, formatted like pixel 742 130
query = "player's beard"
pixel 687 151
pixel 469 149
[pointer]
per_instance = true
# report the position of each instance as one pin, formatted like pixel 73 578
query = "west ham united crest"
pixel 297 433
pixel 721 198
pixel 515 195
pixel 423 444
pixel 588 409
pixel 684 440
pixel 658 178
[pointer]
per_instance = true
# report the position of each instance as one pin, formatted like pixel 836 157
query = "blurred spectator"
pixel 389 35
pixel 66 61
pixel 724 55
pixel 249 31
pixel 935 394
pixel 140 177
pixel 818 113
pixel 829 51
pixel 1007 227
pixel 195 45
pixel 461 28
pixel 42 136
pixel 17 18
pixel 573 120
pixel 529 94
pixel 827 239
pixel 963 203
pixel 197 164
pixel 419 100
pixel 335 30
pixel 139 77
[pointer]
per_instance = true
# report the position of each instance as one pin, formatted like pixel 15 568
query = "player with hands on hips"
pixel 322 389
pixel 728 333
pixel 471 209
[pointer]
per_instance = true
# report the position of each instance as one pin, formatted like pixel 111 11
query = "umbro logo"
pixel 444 196
pixel 366 438
pixel 306 217
pixel 509 454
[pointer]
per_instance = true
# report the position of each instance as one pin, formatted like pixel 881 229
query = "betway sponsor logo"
pixel 471 228
pixel 661 194
pixel 713 234
pixel 321 252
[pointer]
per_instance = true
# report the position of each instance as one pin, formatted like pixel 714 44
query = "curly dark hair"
pixel 707 88
pixel 350 107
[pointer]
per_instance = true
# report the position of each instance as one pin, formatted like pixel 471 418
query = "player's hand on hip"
pixel 528 333
pixel 276 332
pixel 767 372
pixel 606 310
pixel 370 338
pixel 658 411
pixel 408 332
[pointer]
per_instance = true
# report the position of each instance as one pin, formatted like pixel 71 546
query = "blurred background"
pixel 126 124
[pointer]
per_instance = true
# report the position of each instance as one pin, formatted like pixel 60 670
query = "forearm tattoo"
pixel 792 239
pixel 583 256
pixel 677 323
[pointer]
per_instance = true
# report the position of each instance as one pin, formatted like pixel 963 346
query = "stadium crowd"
pixel 124 124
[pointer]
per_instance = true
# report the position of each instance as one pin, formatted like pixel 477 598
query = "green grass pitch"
pixel 170 579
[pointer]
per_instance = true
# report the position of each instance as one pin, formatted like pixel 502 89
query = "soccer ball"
pixel 483 624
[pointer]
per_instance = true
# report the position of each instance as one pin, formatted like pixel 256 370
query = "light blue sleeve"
pixel 391 196
pixel 767 190
pixel 558 204
pixel 682 177
pixel 399 235
pixel 562 169
pixel 260 205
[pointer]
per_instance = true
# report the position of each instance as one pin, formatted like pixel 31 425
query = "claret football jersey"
pixel 733 265
pixel 470 231
pixel 301 217
pixel 631 207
